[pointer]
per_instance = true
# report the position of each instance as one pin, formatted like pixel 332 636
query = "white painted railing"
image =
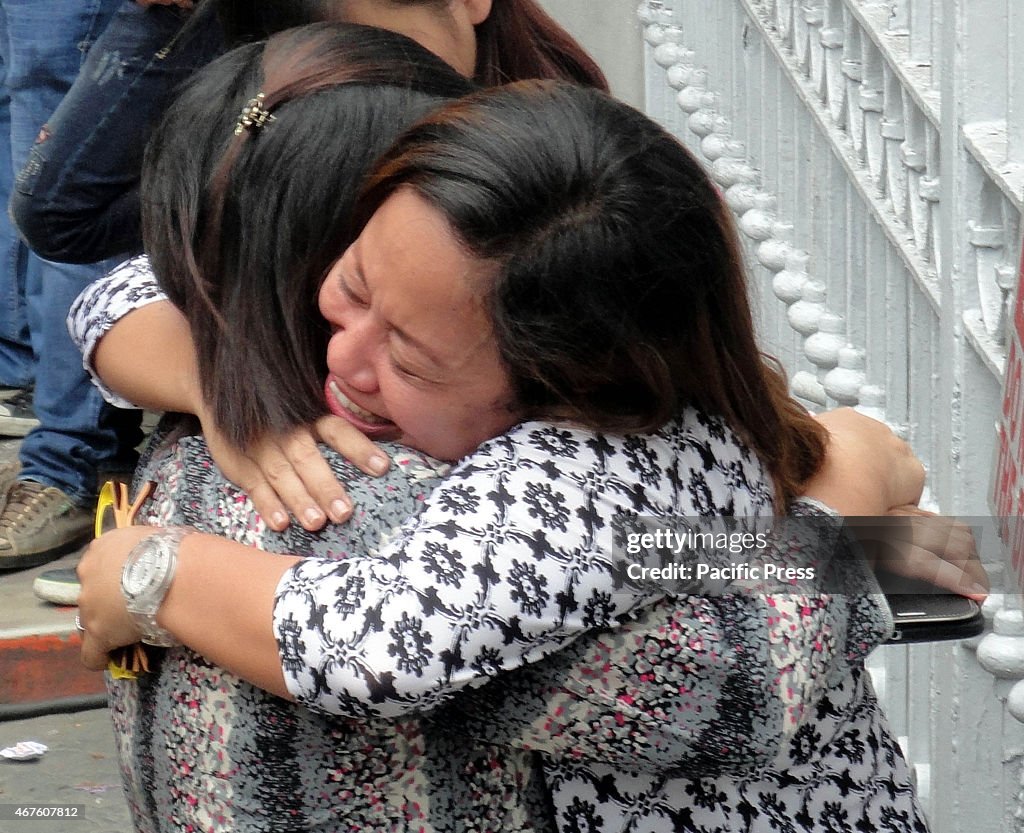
pixel 874 155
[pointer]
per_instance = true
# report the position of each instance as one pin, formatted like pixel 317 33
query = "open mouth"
pixel 342 406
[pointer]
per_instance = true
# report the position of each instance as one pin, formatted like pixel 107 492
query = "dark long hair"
pixel 619 294
pixel 242 227
pixel 518 40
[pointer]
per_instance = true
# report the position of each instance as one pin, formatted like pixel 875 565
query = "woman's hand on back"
pixel 286 473
pixel 872 473
pixel 936 549
pixel 867 470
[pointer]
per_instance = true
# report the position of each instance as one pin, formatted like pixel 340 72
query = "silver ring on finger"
pixel 78 624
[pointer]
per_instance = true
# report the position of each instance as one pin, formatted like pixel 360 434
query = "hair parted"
pixel 242 228
pixel 619 294
pixel 518 40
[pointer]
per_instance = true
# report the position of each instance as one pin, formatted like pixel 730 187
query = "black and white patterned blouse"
pixel 761 722
pixel 129 286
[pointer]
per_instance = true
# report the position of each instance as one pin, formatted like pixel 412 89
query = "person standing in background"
pixel 71 435
pixel 83 203
pixel 80 200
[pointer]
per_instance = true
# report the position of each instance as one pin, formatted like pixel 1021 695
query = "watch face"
pixel 145 573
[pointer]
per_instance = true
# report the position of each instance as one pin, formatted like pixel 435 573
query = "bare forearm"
pixel 148 358
pixel 867 470
pixel 221 604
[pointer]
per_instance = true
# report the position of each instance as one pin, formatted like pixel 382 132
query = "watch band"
pixel 161 549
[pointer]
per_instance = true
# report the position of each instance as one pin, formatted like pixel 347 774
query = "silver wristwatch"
pixel 146 578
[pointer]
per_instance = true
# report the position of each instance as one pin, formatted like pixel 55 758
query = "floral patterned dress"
pixel 203 750
pixel 609 707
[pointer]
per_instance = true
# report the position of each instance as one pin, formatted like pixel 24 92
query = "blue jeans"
pixel 77 199
pixel 42 48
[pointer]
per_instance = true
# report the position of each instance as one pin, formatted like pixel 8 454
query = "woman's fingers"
pixel 318 479
pixel 284 478
pixel 93 655
pixel 945 536
pixel 326 496
pixel 287 473
pixel 352 444
pixel 920 545
pixel 266 502
pixel 924 565
pixel 247 475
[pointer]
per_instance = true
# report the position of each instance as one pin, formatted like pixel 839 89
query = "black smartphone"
pixel 923 612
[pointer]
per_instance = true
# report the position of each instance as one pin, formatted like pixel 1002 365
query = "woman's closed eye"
pixel 351 295
pixel 413 375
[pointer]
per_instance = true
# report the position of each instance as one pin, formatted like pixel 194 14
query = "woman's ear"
pixel 477 11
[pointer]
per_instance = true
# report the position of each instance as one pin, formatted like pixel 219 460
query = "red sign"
pixel 1008 477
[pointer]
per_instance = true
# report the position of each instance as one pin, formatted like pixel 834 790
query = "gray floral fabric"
pixel 202 750
pixel 744 705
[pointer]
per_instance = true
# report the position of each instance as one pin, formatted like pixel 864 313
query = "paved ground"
pixel 21 613
pixel 79 769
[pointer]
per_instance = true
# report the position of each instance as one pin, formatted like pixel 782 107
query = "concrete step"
pixel 39 646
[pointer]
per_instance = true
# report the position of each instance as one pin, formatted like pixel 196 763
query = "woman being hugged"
pixel 546 288
pixel 265 210
pixel 493 42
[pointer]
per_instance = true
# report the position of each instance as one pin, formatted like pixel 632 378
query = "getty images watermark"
pixel 801 554
pixel 696 554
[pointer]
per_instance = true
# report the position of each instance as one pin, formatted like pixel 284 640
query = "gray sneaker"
pixel 8 474
pixel 16 415
pixel 59 587
pixel 39 523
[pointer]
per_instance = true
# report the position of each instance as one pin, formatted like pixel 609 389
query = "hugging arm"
pixel 721 682
pixel 699 683
pixel 138 349
pixel 473 585
pixel 509 562
pixel 132 341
